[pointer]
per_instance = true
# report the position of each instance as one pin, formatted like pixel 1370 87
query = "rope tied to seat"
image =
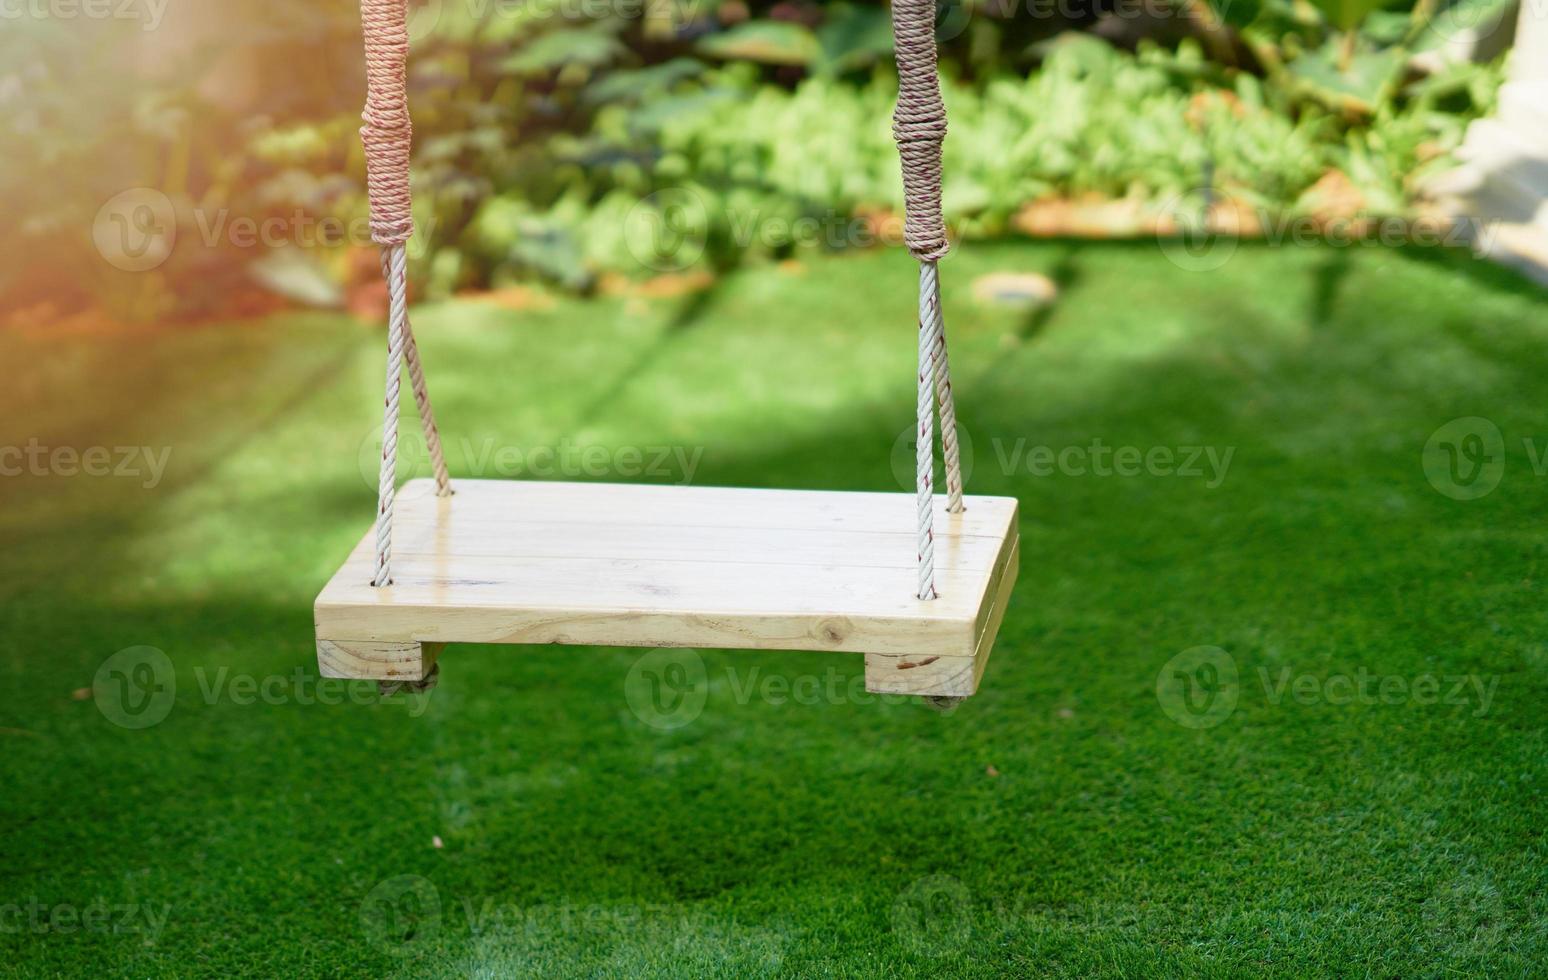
pixel 388 137
pixel 919 128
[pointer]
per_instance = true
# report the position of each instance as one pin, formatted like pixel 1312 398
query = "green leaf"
pixel 587 46
pixel 768 42
pixel 553 253
pixel 853 37
pixel 632 85
pixel 1238 13
pixel 1346 15
pixel 1368 76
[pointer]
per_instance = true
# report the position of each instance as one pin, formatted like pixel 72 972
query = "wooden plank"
pixel 559 540
pixel 484 501
pixel 623 565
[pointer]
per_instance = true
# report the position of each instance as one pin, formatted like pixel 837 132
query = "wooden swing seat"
pixel 623 565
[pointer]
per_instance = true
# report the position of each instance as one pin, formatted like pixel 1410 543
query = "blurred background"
pixel 581 145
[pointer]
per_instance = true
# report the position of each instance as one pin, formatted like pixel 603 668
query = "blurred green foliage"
pixel 565 141
pixel 1354 56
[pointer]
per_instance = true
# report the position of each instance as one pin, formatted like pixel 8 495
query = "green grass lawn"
pixel 1101 806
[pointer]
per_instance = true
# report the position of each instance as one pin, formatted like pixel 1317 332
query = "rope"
pixel 948 409
pixel 388 136
pixel 397 322
pixel 919 127
pixel 416 371
pixel 924 456
pixel 388 132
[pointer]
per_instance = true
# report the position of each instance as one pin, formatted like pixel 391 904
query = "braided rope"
pixel 919 128
pixel 416 370
pixel 924 456
pixel 388 136
pixel 948 409
pixel 388 132
pixel 397 321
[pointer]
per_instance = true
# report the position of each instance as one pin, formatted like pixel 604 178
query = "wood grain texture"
pixel 626 565
pixel 377 660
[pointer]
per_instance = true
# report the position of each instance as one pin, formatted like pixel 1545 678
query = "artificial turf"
pixel 1102 806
